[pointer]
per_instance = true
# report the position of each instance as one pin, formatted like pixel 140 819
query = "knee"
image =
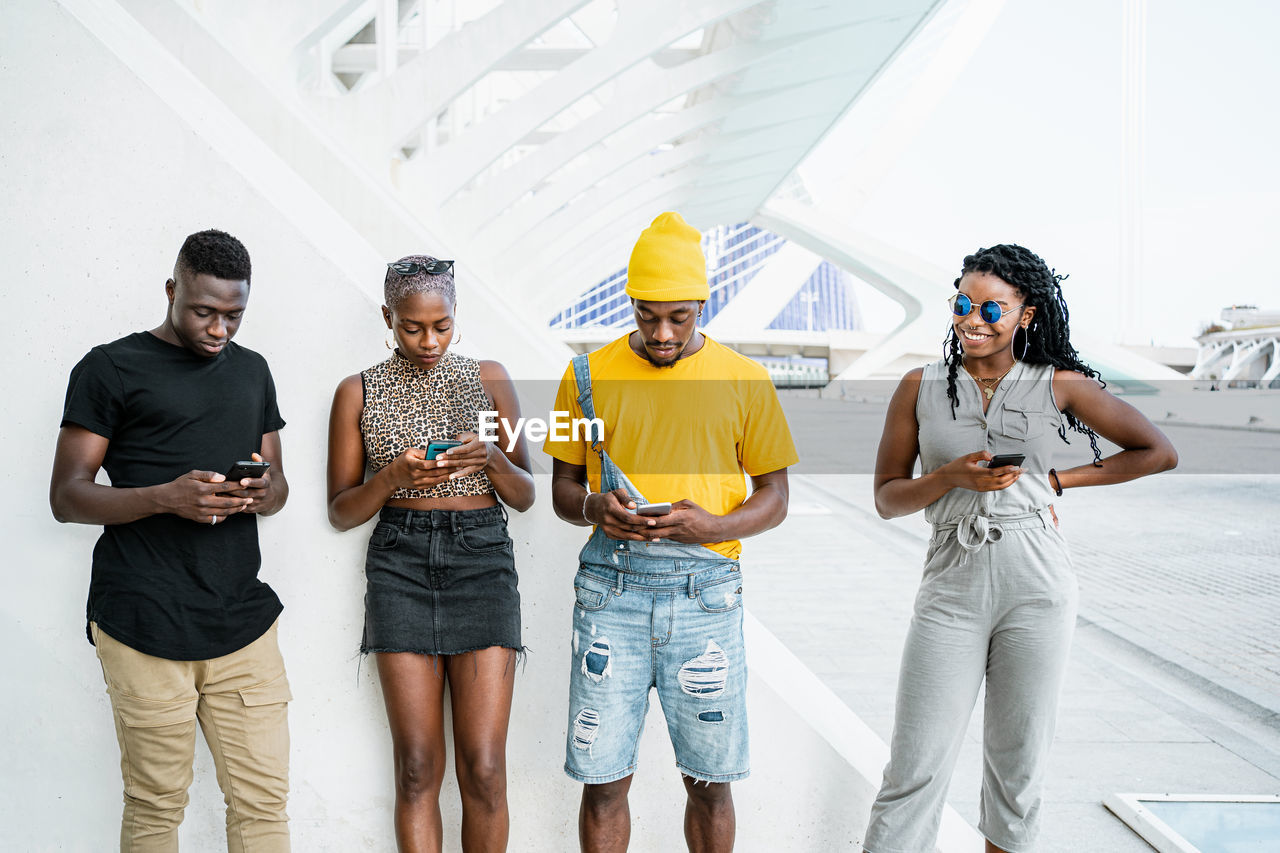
pixel 709 796
pixel 158 790
pixel 482 779
pixel 254 800
pixel 160 810
pixel 606 798
pixel 418 773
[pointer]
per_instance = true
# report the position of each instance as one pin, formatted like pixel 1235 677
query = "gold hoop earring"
pixel 457 338
pixel 387 340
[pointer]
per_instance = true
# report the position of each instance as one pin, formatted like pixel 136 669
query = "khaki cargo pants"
pixel 241 701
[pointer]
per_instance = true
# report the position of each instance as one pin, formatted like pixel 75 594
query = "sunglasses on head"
pixel 413 267
pixel 989 311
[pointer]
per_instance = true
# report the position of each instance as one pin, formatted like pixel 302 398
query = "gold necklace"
pixel 989 386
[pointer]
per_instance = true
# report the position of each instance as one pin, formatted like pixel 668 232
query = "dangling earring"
pixel 1026 342
pixel 387 340
pixel 457 338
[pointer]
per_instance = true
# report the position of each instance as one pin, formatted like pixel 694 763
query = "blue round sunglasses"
pixel 990 311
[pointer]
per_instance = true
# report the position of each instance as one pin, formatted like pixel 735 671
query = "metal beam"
pixel 903 279
pixel 640 173
pixel 637 93
pixel 1242 355
pixel 643 29
pixel 749 164
pixel 650 131
pixel 404 102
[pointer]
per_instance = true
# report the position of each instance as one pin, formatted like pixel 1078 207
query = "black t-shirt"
pixel 164 585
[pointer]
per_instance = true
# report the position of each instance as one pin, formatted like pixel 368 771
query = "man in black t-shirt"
pixel 184 628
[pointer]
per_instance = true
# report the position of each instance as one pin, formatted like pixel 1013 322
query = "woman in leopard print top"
pixel 441 602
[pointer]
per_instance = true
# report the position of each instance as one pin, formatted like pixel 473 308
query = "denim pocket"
pixel 591 594
pixel 384 537
pixel 484 538
pixel 721 597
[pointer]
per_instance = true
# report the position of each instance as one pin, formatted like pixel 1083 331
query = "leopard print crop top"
pixel 407 406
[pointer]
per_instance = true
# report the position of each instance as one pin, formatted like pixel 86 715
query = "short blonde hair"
pixel 396 288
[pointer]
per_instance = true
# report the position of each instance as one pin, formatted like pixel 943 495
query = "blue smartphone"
pixel 435 448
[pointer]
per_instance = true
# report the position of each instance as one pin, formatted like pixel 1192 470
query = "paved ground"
pixel 1175 672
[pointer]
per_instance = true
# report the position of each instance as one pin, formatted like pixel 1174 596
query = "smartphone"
pixel 435 448
pixel 1002 459
pixel 247 468
pixel 654 509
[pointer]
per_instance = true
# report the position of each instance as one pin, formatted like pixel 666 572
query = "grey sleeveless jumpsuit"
pixel 998 599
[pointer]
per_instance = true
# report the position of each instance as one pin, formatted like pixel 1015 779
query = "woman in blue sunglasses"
pixel 998 597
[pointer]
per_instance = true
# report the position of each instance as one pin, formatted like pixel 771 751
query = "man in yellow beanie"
pixel 659 589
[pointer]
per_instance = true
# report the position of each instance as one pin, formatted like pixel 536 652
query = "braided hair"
pixel 1048 339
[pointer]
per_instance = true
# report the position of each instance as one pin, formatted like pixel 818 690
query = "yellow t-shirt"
pixel 688 431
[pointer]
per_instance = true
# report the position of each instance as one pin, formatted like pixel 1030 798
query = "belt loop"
pixel 453 522
pixel 505 518
pixel 693 585
pixel 617 583
pixel 406 522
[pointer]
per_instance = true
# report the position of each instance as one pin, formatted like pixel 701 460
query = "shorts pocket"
pixel 384 537
pixel 484 538
pixel 591 594
pixel 138 713
pixel 721 597
pixel 272 693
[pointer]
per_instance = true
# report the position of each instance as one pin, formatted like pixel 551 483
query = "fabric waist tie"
pixel 975 530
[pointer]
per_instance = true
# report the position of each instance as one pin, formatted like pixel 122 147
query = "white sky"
pixel 1025 148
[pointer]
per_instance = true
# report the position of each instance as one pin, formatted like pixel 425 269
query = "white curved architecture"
pixel 531 140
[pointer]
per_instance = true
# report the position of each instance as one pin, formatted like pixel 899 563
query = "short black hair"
pixel 214 253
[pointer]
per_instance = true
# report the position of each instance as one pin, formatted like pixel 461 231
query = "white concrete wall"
pixel 101 180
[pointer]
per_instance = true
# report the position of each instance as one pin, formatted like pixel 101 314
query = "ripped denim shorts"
pixel 661 626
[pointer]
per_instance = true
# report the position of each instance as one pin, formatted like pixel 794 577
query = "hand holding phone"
pixel 247 469
pixel 654 509
pixel 258 490
pixel 435 448
pixel 1000 460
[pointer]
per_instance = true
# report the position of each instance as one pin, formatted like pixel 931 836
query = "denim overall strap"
pixel 600 549
pixel 582 374
pixel 611 476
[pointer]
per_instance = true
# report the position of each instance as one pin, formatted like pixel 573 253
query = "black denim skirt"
pixel 440 582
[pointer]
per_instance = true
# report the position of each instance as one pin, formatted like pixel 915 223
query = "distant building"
pixel 1242 350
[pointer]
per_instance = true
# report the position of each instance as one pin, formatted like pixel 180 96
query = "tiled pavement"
pixel 1173 672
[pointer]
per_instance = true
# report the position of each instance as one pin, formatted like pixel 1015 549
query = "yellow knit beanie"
pixel 667 264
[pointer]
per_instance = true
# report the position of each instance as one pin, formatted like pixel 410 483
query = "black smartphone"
pixel 435 448
pixel 247 468
pixel 1002 459
pixel 654 509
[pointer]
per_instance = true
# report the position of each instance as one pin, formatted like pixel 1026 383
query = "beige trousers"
pixel 241 701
